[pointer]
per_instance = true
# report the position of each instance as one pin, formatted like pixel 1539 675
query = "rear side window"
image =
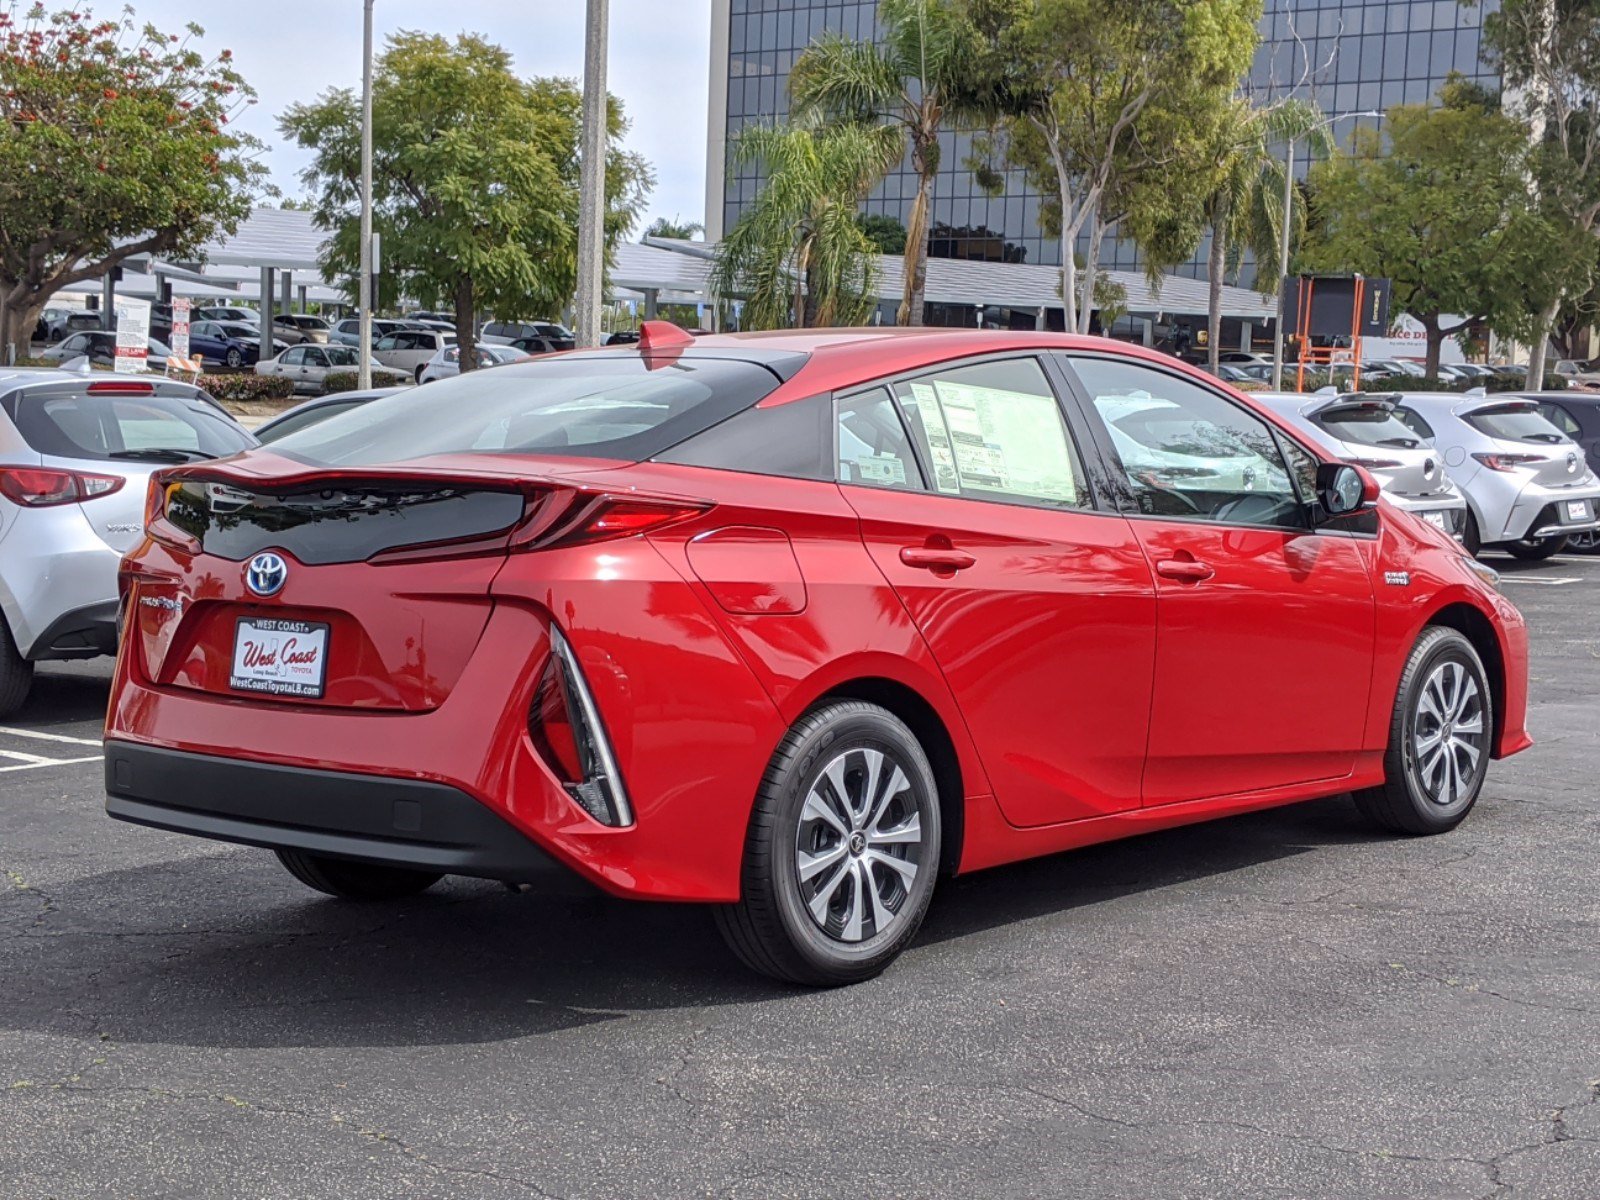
pixel 79 425
pixel 1413 420
pixel 1514 423
pixel 605 406
pixel 790 440
pixel 874 448
pixel 1561 419
pixel 1367 425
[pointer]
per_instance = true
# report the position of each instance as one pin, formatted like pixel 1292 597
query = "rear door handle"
pixel 1185 569
pixel 936 559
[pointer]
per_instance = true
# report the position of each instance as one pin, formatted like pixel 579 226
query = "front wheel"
pixel 1587 542
pixel 354 880
pixel 1534 549
pixel 842 852
pixel 234 359
pixel 1440 736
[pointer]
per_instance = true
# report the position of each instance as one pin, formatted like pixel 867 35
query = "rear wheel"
pixel 353 880
pixel 1440 736
pixel 234 359
pixel 1471 539
pixel 419 372
pixel 16 673
pixel 1534 549
pixel 842 852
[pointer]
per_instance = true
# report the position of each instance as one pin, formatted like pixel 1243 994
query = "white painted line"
pixel 52 762
pixel 21 757
pixel 1542 581
pixel 51 737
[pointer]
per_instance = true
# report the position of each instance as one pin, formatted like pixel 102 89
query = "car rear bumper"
pixel 408 823
pixel 1540 512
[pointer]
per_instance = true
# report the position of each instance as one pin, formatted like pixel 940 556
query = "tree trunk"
pixel 802 277
pixel 466 324
pixel 1430 364
pixel 1216 266
pixel 916 256
pixel 1091 267
pixel 1538 349
pixel 20 307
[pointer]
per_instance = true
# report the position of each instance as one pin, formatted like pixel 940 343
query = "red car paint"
pixel 1094 674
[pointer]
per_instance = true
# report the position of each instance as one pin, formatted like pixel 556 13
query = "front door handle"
pixel 1185 569
pixel 934 558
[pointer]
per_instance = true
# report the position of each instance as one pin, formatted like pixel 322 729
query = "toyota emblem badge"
pixel 266 574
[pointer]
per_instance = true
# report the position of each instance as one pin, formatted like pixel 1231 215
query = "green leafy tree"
pixel 912 79
pixel 1548 54
pixel 798 256
pixel 1442 210
pixel 114 142
pixel 1106 107
pixel 887 234
pixel 665 227
pixel 475 179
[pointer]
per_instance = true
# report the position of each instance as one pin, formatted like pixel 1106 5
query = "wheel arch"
pixel 1470 621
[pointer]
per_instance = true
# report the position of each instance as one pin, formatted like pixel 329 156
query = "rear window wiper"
pixel 1553 439
pixel 161 454
pixel 1403 443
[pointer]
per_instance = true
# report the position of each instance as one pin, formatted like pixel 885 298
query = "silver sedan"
pixel 308 366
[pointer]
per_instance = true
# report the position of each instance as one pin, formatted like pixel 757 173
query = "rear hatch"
pixel 1532 442
pixel 1379 441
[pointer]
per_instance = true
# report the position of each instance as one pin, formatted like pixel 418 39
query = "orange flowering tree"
pixel 114 141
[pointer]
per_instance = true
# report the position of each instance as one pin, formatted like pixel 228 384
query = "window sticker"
pixel 1006 441
pixel 881 468
pixel 926 402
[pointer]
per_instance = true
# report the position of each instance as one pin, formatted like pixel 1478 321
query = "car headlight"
pixel 1486 573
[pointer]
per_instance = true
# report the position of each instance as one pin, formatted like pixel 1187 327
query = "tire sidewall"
pixel 877 730
pixel 1451 646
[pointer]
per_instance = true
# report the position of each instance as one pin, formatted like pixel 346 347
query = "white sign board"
pixel 180 326
pixel 1409 340
pixel 133 336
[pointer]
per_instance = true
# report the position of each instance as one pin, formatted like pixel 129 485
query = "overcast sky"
pixel 290 50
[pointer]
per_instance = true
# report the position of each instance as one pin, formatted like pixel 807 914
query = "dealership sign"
pixel 133 336
pixel 180 326
pixel 1408 339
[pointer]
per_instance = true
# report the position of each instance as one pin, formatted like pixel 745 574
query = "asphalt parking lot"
pixel 1279 1005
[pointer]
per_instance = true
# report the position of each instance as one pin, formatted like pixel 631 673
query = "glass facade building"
pixel 1347 57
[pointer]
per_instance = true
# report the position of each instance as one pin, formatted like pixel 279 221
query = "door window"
pixel 1183 451
pixel 994 431
pixel 386 343
pixel 318 358
pixel 292 358
pixel 1561 419
pixel 874 448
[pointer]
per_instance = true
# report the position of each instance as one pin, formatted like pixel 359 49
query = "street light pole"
pixel 1283 267
pixel 364 351
pixel 592 183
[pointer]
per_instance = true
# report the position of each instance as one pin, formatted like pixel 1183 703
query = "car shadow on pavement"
pixel 223 950
pixel 66 695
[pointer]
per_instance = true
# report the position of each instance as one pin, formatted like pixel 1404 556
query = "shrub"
pixel 348 381
pixel 240 388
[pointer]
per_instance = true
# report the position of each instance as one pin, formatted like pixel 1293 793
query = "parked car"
pixel 229 343
pixel 1576 414
pixel 1364 430
pixel 59 323
pixel 348 331
pixel 100 348
pixel 538 345
pixel 410 350
pixel 503 333
pixel 1244 358
pixel 439 318
pixel 314 412
pixel 791 624
pixel 296 328
pixel 623 337
pixel 76 454
pixel 309 366
pixel 1527 485
pixel 226 312
pixel 446 363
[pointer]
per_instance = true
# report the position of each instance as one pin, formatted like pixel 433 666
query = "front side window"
pixel 319 358
pixel 1185 452
pixel 994 431
pixel 874 448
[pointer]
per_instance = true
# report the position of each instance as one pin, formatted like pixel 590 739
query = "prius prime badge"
pixel 266 574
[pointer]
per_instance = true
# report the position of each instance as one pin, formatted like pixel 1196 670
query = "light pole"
pixel 1283 239
pixel 364 351
pixel 592 182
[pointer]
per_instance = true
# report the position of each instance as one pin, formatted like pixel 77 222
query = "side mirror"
pixel 1343 488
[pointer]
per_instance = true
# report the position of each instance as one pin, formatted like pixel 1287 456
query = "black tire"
pixel 234 359
pixel 1412 799
pixel 1587 542
pixel 773 929
pixel 1535 549
pixel 1471 540
pixel 16 673
pixel 354 880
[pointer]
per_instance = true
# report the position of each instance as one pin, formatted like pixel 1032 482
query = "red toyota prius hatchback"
pixel 792 624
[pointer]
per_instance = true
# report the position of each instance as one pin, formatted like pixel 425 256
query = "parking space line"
pixel 51 762
pixel 21 757
pixel 50 737
pixel 1542 580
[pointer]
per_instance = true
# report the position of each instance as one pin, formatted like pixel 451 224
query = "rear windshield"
pixel 1368 425
pixel 620 406
pixel 1515 423
pixel 77 424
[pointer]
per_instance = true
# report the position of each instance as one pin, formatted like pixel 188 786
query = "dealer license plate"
pixel 1438 519
pixel 1577 510
pixel 281 658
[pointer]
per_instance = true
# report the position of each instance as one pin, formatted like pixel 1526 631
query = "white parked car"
pixel 446 364
pixel 410 350
pixel 309 366
pixel 100 348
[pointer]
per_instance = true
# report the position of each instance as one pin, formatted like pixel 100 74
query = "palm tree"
pixel 671 227
pixel 909 81
pixel 1244 210
pixel 798 255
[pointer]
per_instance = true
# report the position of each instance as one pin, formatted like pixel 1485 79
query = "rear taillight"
pixel 603 518
pixel 1507 462
pixel 566 731
pixel 41 487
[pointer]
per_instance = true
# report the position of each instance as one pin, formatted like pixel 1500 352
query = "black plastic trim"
pixel 86 632
pixel 367 818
